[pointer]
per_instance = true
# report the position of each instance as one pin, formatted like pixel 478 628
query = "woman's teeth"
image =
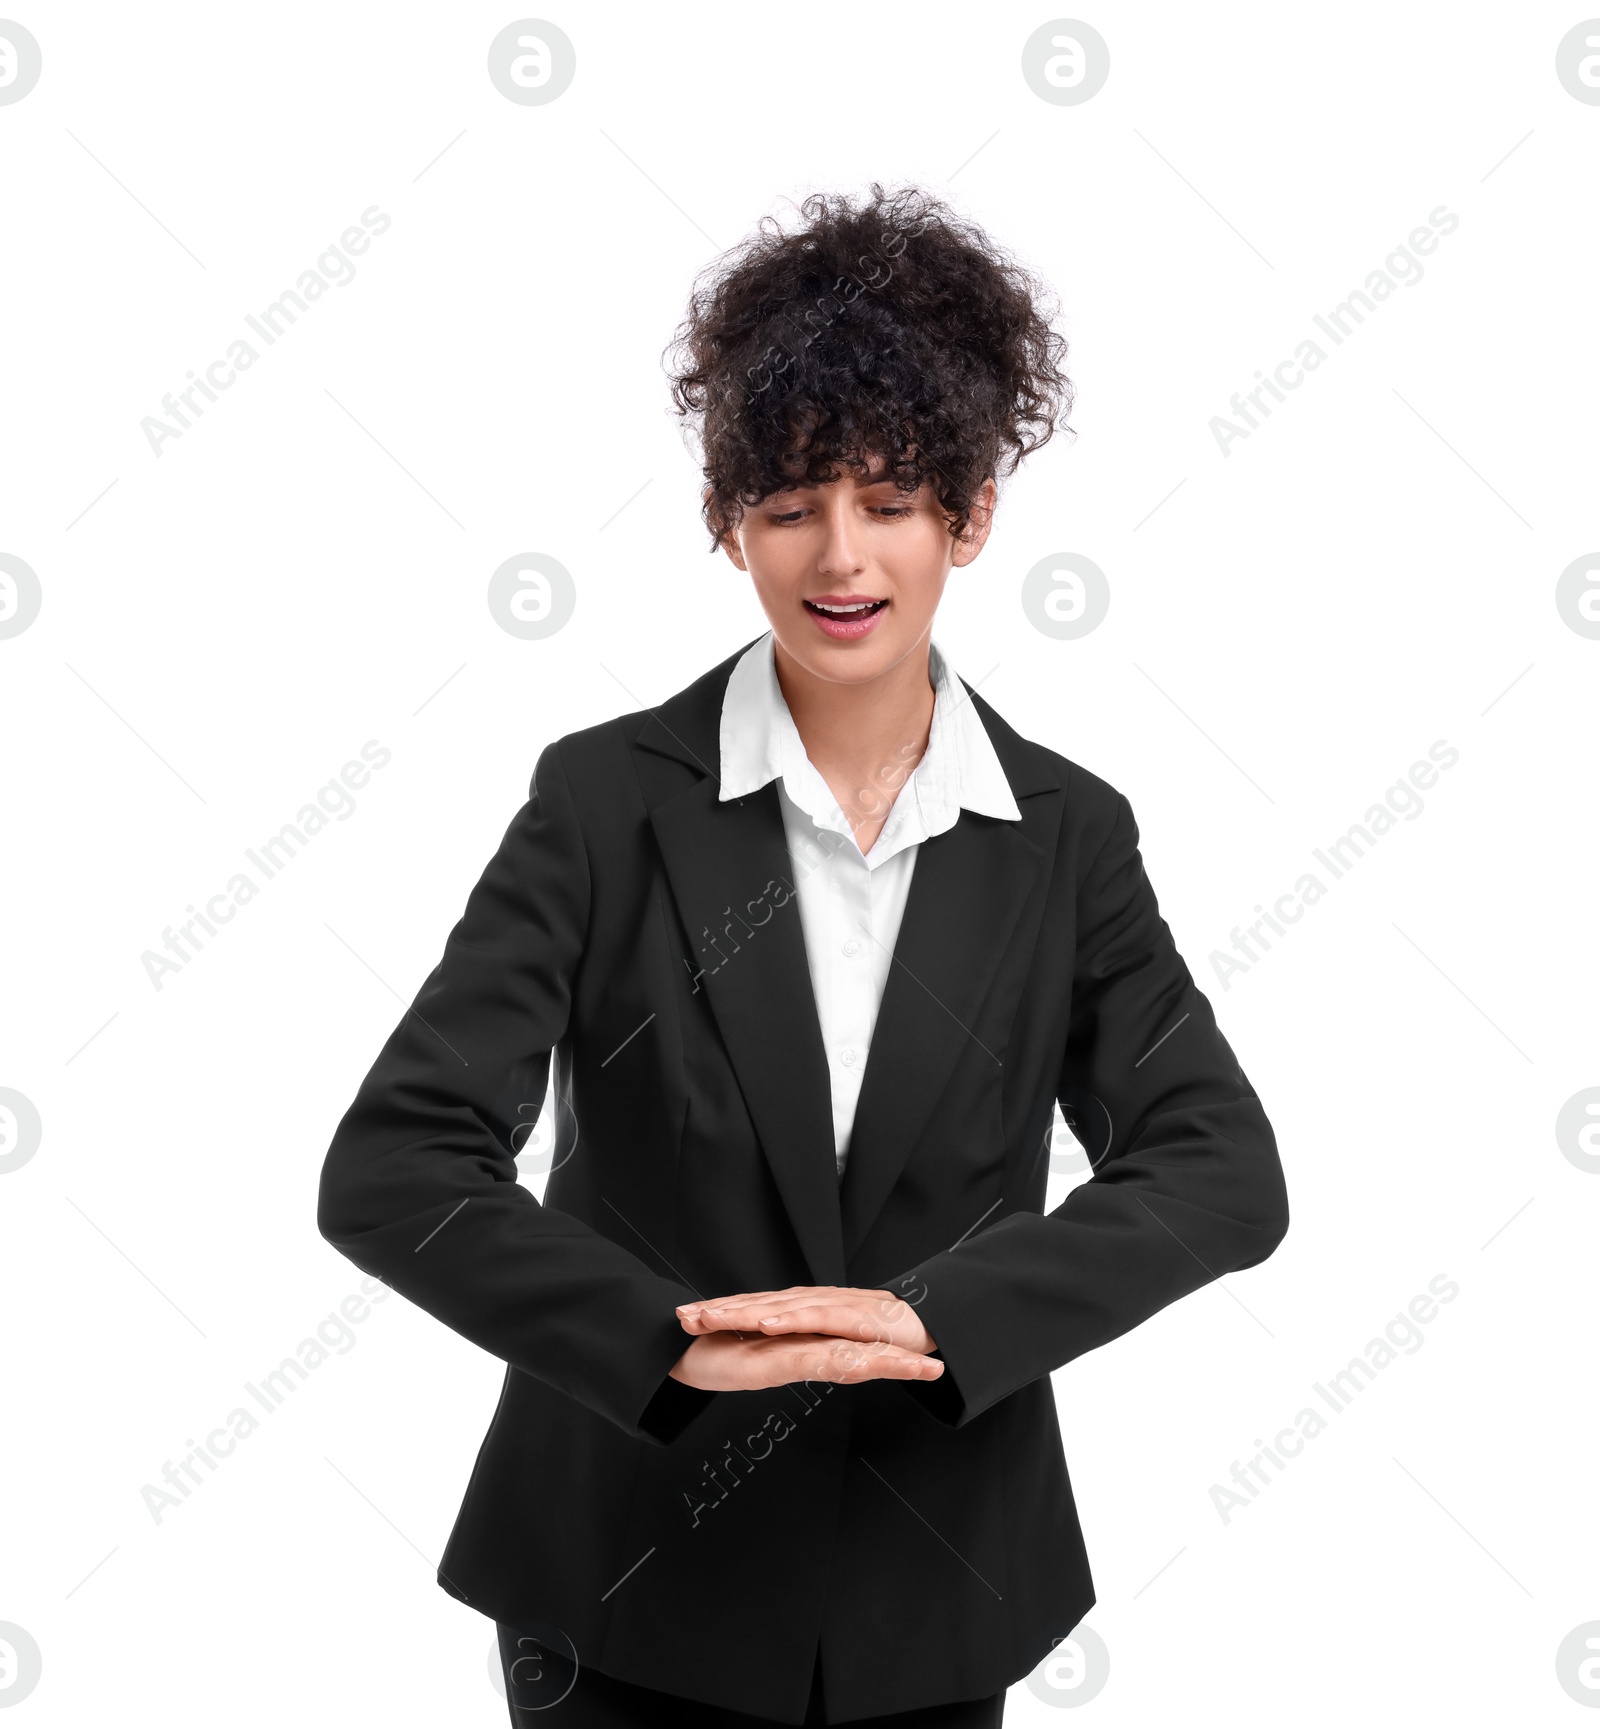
pixel 846 621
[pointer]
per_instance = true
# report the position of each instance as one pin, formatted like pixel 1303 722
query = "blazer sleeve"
pixel 1189 1186
pixel 419 1186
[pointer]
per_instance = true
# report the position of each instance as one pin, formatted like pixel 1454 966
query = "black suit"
pixel 647 936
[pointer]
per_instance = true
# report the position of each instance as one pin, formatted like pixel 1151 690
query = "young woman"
pixel 809 954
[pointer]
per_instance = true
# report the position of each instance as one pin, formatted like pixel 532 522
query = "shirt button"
pixel 852 947
pixel 847 1056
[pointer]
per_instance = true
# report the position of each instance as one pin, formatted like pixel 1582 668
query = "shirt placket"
pixel 850 921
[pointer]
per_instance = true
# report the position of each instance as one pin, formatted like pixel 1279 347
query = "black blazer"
pixel 644 939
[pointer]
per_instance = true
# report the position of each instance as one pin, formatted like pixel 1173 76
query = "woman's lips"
pixel 847 617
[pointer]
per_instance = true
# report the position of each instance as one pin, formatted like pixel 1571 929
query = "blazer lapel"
pixel 728 869
pixel 967 890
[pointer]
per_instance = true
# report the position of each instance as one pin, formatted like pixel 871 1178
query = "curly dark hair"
pixel 892 327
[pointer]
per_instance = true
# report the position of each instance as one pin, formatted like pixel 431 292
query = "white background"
pixel 305 569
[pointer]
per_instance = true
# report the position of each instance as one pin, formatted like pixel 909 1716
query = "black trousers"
pixel 545 1689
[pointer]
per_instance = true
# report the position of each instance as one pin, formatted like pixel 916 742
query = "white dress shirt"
pixel 851 903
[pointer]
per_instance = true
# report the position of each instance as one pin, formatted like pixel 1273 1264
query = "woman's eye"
pixel 892 511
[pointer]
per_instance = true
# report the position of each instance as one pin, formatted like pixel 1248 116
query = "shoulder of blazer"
pixel 1089 805
pixel 637 750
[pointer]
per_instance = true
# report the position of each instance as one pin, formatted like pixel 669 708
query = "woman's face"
pixel 851 572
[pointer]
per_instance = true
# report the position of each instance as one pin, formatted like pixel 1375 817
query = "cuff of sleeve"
pixel 944 1399
pixel 672 1405
pixel 672 1408
pixel 941 1399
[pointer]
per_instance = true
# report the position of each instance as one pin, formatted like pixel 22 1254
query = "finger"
pixel 736 1319
pixel 846 1362
pixel 699 1318
pixel 744 1308
pixel 841 1320
pixel 741 1318
pixel 847 1320
pixel 702 1305
pixel 822 1356
pixel 789 1302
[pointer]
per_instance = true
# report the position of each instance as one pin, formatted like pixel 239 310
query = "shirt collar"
pixel 959 770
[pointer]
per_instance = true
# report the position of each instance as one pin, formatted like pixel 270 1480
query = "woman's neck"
pixel 863 739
